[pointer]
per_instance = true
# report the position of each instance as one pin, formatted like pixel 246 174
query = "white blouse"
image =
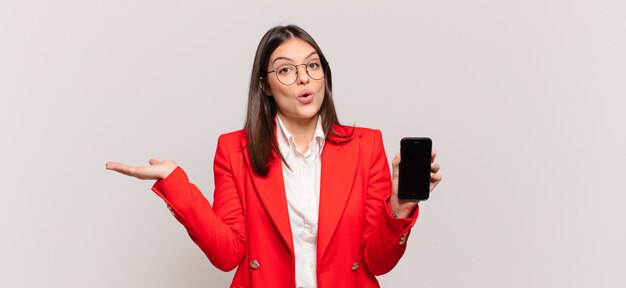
pixel 302 186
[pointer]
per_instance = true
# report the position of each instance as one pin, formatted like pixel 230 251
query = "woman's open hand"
pixel 157 170
pixel 403 208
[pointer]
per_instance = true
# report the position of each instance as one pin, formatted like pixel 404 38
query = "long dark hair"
pixel 260 125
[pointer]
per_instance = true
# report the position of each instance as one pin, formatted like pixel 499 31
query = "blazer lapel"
pixel 339 164
pixel 271 191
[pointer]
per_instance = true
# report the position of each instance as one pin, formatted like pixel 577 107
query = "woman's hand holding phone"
pixel 404 208
pixel 157 170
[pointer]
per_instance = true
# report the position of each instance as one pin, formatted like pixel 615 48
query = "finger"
pixel 112 165
pixel 121 168
pixel 435 177
pixel 433 154
pixel 434 184
pixel 153 161
pixel 434 167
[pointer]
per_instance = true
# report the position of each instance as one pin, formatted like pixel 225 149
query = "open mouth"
pixel 306 97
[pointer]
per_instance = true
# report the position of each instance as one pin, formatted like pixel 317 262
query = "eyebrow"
pixel 289 59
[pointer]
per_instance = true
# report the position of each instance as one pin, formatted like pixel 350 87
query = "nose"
pixel 303 75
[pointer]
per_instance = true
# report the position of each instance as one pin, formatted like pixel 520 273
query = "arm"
pixel 385 236
pixel 219 231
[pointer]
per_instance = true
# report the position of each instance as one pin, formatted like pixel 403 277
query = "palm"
pixel 157 170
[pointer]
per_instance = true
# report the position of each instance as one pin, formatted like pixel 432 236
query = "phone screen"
pixel 414 178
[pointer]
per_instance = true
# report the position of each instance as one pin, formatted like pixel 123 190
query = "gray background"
pixel 524 100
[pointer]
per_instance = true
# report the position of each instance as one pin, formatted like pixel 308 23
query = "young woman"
pixel 300 200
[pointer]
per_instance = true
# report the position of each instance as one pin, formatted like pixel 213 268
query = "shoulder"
pixel 368 139
pixel 232 137
pixel 355 132
pixel 233 141
pixel 367 132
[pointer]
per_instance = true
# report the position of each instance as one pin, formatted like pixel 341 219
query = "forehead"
pixel 294 49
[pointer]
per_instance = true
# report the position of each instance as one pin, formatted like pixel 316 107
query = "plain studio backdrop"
pixel 525 101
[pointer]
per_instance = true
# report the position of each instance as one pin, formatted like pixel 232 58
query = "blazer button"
pixel 403 239
pixel 355 266
pixel 171 209
pixel 254 264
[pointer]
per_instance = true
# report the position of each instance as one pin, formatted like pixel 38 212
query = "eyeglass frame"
pixel 322 63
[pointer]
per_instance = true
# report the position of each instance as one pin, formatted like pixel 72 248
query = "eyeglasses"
pixel 288 74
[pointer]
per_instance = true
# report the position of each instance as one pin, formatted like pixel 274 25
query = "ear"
pixel 263 88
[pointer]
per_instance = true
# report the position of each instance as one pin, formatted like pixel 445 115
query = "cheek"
pixel 272 86
pixel 279 92
pixel 322 92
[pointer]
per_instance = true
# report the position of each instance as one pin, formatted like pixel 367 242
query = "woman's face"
pixel 302 99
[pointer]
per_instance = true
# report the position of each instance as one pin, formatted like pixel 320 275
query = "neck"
pixel 301 129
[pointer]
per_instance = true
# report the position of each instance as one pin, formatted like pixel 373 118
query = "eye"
pixel 287 69
pixel 314 65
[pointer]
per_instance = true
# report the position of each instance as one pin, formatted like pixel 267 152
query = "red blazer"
pixel 248 225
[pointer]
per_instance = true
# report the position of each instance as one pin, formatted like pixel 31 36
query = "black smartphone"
pixel 414 178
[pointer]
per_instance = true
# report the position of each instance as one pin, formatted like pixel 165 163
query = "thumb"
pixel 153 161
pixel 396 161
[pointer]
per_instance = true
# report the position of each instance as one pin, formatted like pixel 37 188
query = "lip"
pixel 305 93
pixel 305 96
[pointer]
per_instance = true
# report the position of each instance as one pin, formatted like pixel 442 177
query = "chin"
pixel 307 114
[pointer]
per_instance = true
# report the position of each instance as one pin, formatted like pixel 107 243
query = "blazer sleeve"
pixel 219 231
pixel 385 235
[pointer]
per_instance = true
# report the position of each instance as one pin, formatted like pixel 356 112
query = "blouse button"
pixel 254 264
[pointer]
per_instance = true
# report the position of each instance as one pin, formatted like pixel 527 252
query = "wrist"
pixel 400 214
pixel 403 210
pixel 167 172
pixel 396 211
